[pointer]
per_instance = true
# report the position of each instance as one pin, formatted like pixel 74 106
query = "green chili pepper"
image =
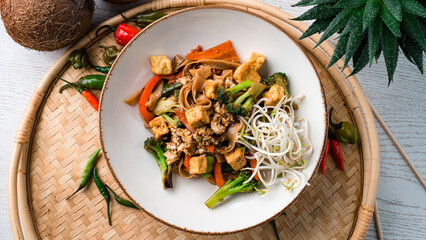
pixel 143 19
pixel 104 192
pixel 169 89
pixel 79 58
pixel 87 171
pixel 100 69
pixel 274 226
pixel 343 131
pixel 110 54
pixel 93 81
pixel 121 201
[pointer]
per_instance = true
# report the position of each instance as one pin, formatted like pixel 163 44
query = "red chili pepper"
pixel 91 99
pixel 217 169
pixel 146 93
pixel 123 33
pixel 324 157
pixel 337 153
pixel 181 115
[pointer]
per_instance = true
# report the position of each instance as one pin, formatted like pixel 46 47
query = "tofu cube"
pixel 236 159
pixel 161 65
pixel 197 117
pixel 159 127
pixel 248 70
pixel 198 165
pixel 210 88
pixel 274 95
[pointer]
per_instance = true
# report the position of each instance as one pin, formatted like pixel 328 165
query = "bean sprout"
pixel 278 141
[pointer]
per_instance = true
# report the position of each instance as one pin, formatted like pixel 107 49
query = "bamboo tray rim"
pixel 17 185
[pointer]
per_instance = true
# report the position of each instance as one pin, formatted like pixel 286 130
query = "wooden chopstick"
pixel 377 222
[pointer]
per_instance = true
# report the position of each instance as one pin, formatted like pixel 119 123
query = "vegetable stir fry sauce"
pixel 216 118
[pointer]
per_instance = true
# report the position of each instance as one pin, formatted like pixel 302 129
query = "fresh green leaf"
pixel 318 12
pixel 413 7
pixel 374 34
pixel 371 9
pixel 361 60
pixel 316 27
pixel 390 21
pixel 304 3
pixel 412 51
pixel 337 23
pixel 358 52
pixel 349 3
pixel 378 51
pixel 339 51
pixel 390 52
pixel 411 25
pixel 354 21
pixel 394 7
pixel 355 39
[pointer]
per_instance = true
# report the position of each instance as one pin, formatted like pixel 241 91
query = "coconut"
pixel 46 25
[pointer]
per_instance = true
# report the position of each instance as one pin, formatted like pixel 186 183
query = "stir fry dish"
pixel 216 118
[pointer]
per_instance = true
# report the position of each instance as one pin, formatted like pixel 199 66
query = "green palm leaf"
pixel 316 27
pixel 339 51
pixel 374 34
pixel 412 51
pixel 305 3
pixel 349 3
pixel 338 22
pixel 318 12
pixel 394 7
pixel 371 9
pixel 390 51
pixel 354 21
pixel 412 27
pixel 413 7
pixel 361 60
pixel 379 51
pixel 355 39
pixel 390 21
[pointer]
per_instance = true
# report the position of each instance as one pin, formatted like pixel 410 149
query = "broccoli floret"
pixel 277 78
pixel 157 149
pixel 226 95
pixel 233 186
pixel 243 104
pixel 174 122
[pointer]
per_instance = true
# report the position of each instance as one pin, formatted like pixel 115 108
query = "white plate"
pixel 122 130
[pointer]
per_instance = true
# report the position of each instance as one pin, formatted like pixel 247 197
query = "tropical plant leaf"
pixel 316 27
pixel 412 51
pixel 318 12
pixel 338 22
pixel 371 9
pixel 362 59
pixel 390 52
pixel 355 39
pixel 413 7
pixel 349 3
pixel 359 51
pixel 374 34
pixel 354 21
pixel 412 26
pixel 390 21
pixel 394 7
pixel 339 51
pixel 304 3
pixel 379 50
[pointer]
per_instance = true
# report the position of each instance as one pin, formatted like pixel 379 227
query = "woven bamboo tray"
pixel 59 131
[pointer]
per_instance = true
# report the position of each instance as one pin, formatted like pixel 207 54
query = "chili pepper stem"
pixel 335 125
pixel 109 212
pixel 78 189
pixel 127 19
pixel 65 87
pixel 105 26
pixel 274 226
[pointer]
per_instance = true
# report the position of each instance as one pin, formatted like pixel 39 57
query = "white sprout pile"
pixel 278 141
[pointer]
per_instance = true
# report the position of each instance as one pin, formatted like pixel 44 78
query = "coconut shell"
pixel 46 25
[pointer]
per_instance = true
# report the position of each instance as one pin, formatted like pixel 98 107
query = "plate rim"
pixel 220 6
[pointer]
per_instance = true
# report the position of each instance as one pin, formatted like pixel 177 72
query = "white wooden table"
pixel 401 199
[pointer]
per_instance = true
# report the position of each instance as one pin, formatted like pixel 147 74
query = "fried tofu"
pixel 236 159
pixel 248 70
pixel 210 88
pixel 197 117
pixel 159 127
pixel 274 95
pixel 161 65
pixel 198 165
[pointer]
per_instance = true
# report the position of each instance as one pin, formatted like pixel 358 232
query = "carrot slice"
pixel 224 51
pixel 210 148
pixel 186 161
pixel 217 169
pixel 253 164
